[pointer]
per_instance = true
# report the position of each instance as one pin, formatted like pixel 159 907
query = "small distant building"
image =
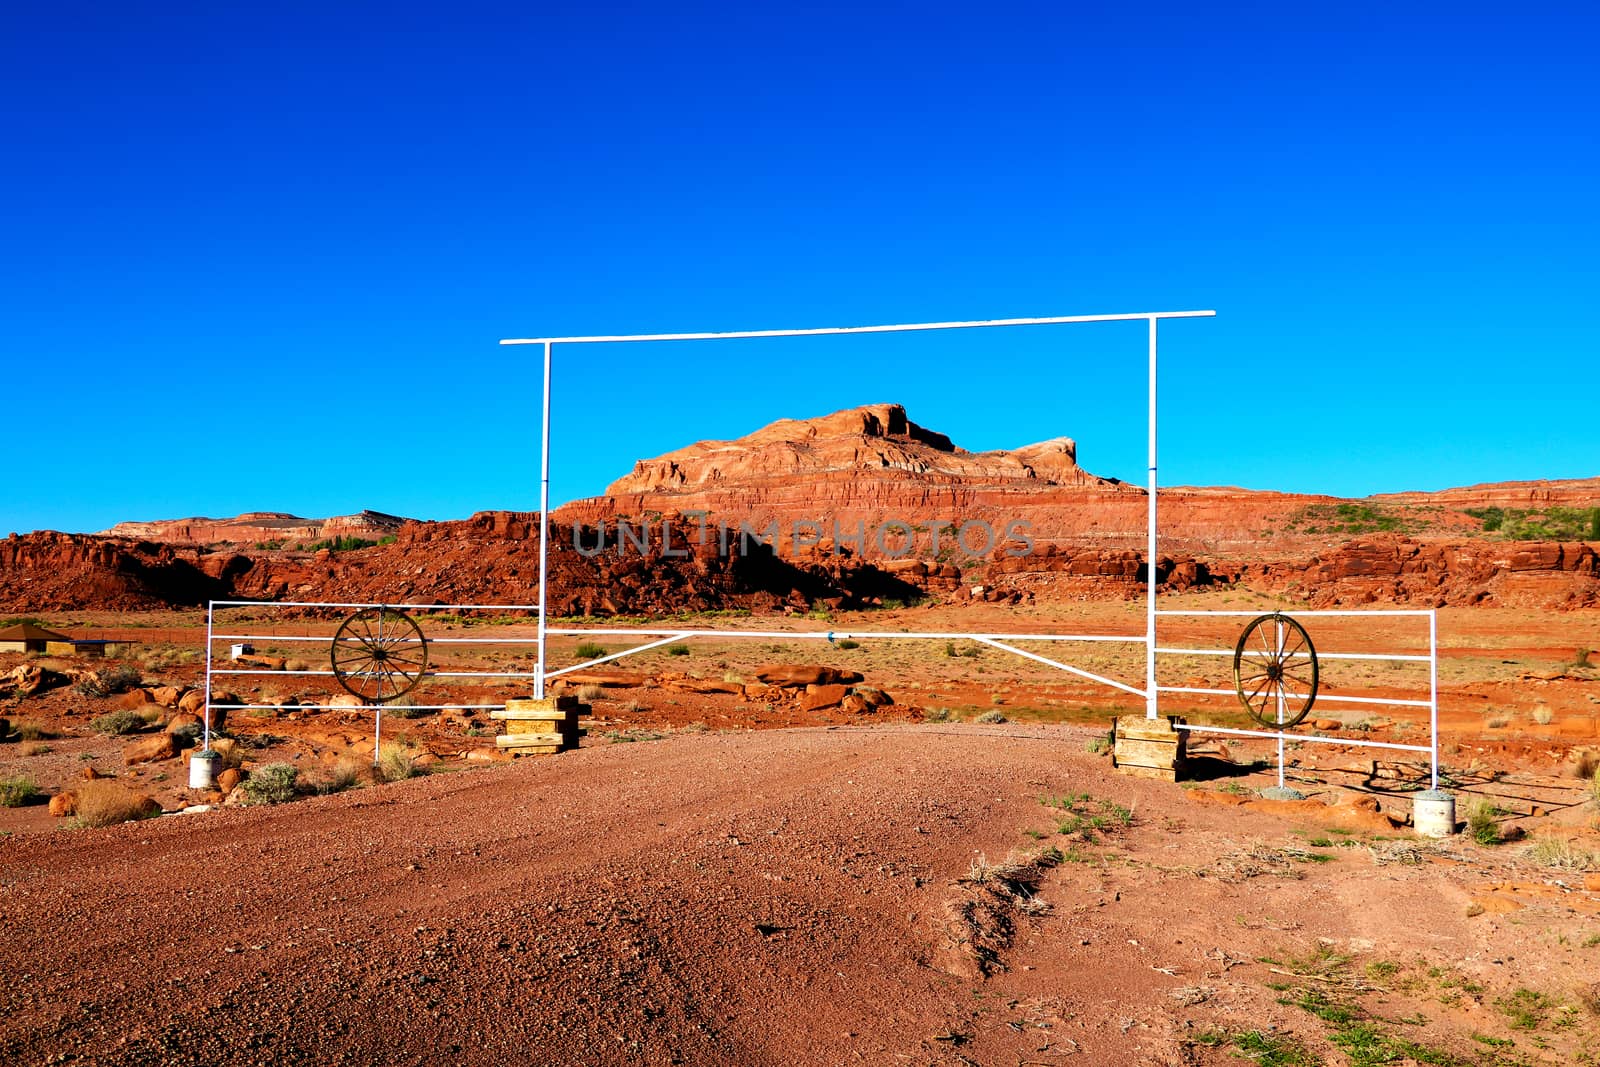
pixel 26 637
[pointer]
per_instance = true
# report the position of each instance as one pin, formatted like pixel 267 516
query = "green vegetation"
pixel 964 651
pixel 1268 1050
pixel 273 783
pixel 588 650
pixel 16 790
pixel 1547 524
pixel 115 723
pixel 1084 816
pixel 936 715
pixel 1525 1009
pixel 347 543
pixel 991 718
pixel 1481 825
pixel 1356 519
pixel 677 650
pixel 848 644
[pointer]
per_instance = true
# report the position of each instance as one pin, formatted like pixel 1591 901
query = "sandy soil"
pixel 817 896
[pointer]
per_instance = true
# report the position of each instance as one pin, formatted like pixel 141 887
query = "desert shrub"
pixel 36 749
pixel 936 715
pixel 106 803
pixel 589 650
pixel 848 644
pixel 1481 825
pixel 991 718
pixel 16 790
pixel 396 764
pixel 108 682
pixel 1581 659
pixel 677 650
pixel 32 731
pixel 271 784
pixel 588 693
pixel 1542 715
pixel 733 676
pixel 1097 745
pixel 118 722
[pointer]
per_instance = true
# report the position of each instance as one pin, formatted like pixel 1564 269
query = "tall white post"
pixel 1150 548
pixel 1433 696
pixel 211 612
pixel 544 524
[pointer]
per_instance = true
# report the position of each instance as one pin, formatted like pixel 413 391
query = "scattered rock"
pixel 192 702
pixel 1326 725
pixel 90 774
pixel 182 721
pixel 795 675
pixel 64 804
pixel 822 696
pixel 25 679
pixel 150 749
pixel 228 781
pixel 167 695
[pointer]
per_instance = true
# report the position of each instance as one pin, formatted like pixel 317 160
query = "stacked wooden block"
pixel 540 727
pixel 1149 748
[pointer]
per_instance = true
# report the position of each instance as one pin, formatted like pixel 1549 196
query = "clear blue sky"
pixel 259 257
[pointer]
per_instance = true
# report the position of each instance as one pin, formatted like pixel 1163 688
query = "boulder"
pixel 823 696
pixel 64 804
pixel 193 702
pixel 182 721
pixel 1327 724
pixel 228 780
pixel 25 679
pixel 167 695
pixel 150 749
pixel 133 699
pixel 795 675
pixel 90 774
pixel 855 704
pixel 345 700
pixel 875 697
pixel 705 685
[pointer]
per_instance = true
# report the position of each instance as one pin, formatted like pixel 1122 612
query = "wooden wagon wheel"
pixel 379 654
pixel 1275 671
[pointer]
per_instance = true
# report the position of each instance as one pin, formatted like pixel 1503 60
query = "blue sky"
pixel 259 259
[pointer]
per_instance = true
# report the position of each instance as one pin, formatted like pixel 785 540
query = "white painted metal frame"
pixel 212 637
pixel 1152 317
pixel 1432 703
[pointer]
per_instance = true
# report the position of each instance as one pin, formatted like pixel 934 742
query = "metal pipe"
pixel 210 617
pixel 544 523
pixel 832 330
pixel 1151 696
pixel 1433 692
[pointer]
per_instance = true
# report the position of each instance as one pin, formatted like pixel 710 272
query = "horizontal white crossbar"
pixel 832 635
pixel 1296 614
pixel 1320 655
pixel 833 330
pixel 324 604
pixel 1198 728
pixel 1320 697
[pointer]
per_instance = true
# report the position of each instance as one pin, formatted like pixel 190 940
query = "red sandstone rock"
pixel 795 675
pixel 822 696
pixel 150 749
pixel 64 804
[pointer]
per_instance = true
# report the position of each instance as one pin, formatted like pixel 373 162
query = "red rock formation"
pixel 259 527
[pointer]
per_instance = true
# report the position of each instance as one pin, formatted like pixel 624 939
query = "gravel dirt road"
pixel 814 896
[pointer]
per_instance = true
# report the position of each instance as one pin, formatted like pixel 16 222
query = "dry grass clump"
pixel 16 790
pixel 345 774
pixel 108 682
pixel 396 763
pixel 1542 714
pixel 590 693
pixel 991 718
pixel 32 731
pixel 103 802
pixel 1563 854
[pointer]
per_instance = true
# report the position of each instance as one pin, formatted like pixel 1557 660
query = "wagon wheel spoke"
pixel 379 654
pixel 1273 653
